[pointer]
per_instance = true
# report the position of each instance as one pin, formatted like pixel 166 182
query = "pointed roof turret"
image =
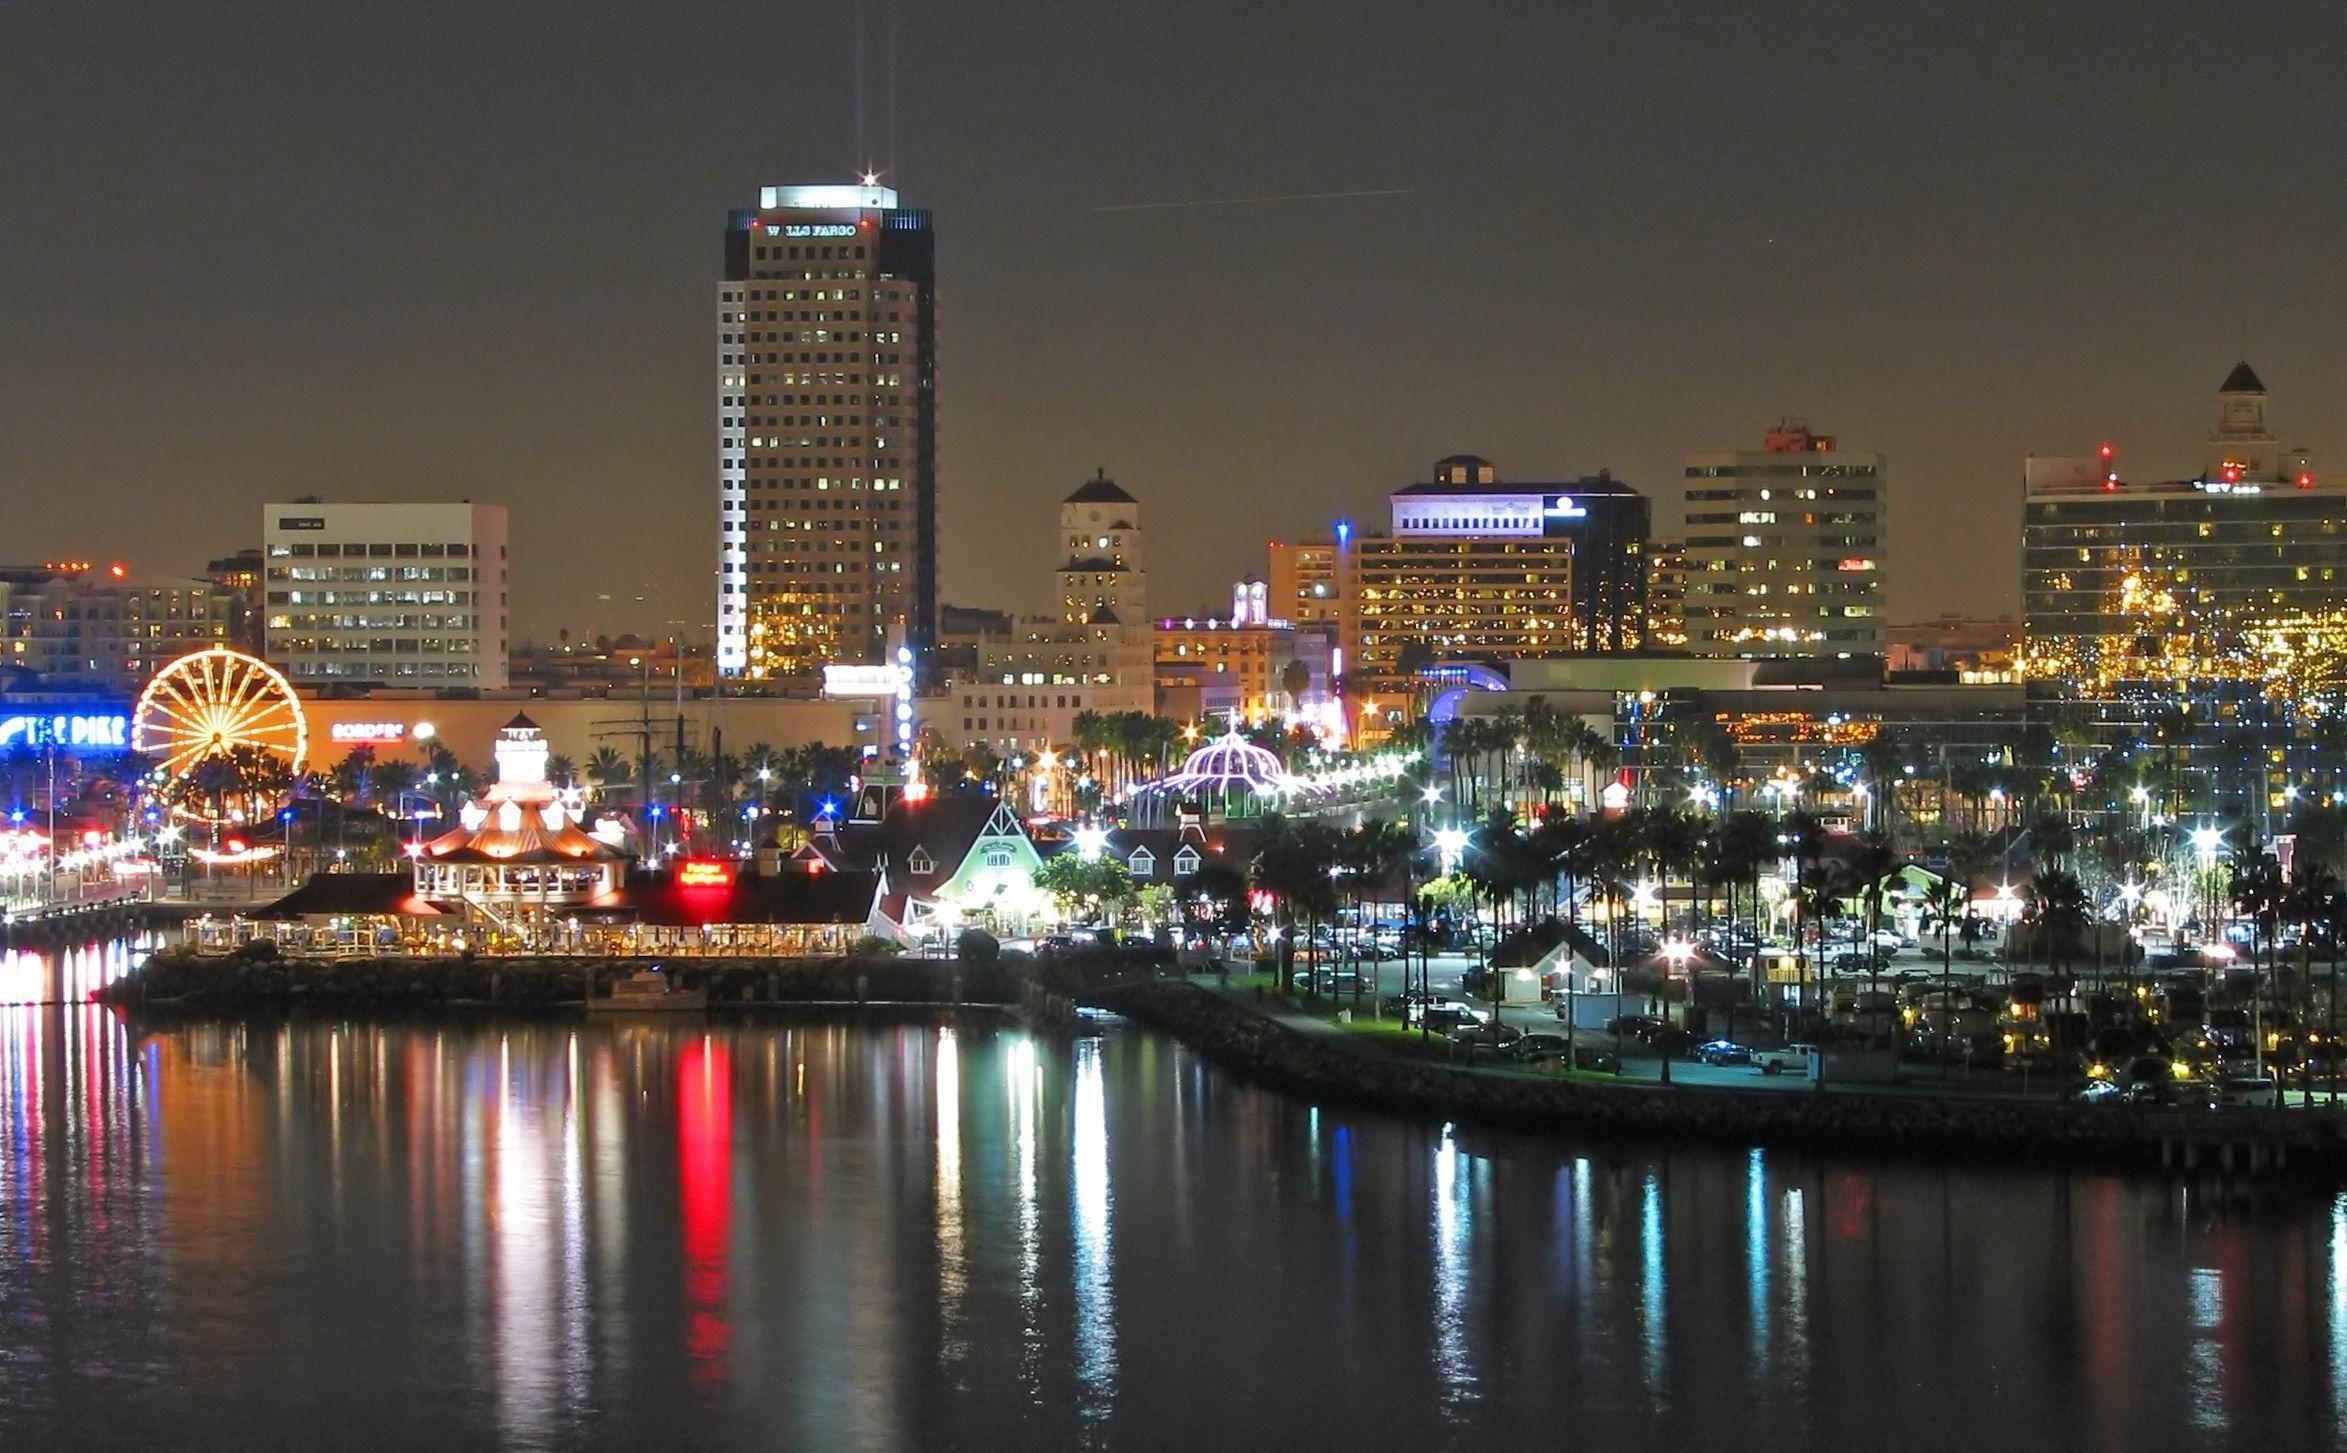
pixel 1100 490
pixel 2242 380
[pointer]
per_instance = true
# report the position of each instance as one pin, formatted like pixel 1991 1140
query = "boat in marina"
pixel 648 991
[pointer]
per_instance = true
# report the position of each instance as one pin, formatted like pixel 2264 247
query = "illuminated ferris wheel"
pixel 213 702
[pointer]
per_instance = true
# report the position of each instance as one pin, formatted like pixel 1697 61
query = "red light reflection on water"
pixel 704 1125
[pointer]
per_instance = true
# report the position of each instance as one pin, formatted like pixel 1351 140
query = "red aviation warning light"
pixel 2106 451
pixel 2306 479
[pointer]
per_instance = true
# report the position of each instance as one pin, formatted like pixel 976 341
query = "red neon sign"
pixel 704 873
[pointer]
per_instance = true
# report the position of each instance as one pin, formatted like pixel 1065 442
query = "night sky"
pixel 408 251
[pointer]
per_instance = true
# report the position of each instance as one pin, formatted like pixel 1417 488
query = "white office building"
pixel 1784 549
pixel 386 594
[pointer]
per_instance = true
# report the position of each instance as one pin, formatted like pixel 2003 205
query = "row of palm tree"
pixel 1124 747
pixel 1517 754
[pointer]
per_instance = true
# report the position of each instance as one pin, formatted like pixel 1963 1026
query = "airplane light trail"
pixel 1250 201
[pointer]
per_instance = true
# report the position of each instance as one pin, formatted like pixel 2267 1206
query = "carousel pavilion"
pixel 519 844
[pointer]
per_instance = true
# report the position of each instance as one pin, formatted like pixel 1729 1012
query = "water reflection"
pixel 547 1234
pixel 1095 1296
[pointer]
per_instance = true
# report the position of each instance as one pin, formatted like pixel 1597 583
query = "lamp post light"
pixel 1675 954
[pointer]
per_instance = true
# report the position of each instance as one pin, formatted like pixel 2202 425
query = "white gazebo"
pixel 519 844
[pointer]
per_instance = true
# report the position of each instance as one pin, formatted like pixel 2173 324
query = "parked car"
pixel 1723 1052
pixel 2245 1092
pixel 1793 1057
pixel 1486 1036
pixel 1332 981
pixel 1668 1039
pixel 2101 1092
pixel 1635 1025
pixel 1444 1015
pixel 1537 1047
pixel 1890 940
pixel 1602 1061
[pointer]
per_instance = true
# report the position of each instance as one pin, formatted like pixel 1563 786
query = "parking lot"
pixel 1447 971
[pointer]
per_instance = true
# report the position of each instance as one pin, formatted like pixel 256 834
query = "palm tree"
pixel 1884 761
pixel 1872 861
pixel 2259 894
pixel 2051 841
pixel 1802 835
pixel 2057 913
pixel 1292 865
pixel 351 777
pixel 1746 845
pixel 1674 841
pixel 1944 898
pixel 609 770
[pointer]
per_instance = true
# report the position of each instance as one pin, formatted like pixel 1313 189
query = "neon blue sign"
pixel 104 731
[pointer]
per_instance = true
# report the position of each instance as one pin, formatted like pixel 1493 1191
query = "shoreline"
pixel 179 983
pixel 1259 1048
pixel 1268 1053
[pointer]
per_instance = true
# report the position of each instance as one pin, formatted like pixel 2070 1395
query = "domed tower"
pixel 1100 553
pixel 1102 588
pixel 2244 446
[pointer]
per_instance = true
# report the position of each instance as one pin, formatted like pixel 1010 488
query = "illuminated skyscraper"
pixel 827 432
pixel 2162 585
pixel 1784 549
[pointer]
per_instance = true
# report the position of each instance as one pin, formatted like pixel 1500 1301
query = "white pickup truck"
pixel 1794 1057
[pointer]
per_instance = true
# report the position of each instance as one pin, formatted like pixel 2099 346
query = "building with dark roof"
pixel 955 858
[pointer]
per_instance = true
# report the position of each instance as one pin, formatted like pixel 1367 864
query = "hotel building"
pixel 2238 573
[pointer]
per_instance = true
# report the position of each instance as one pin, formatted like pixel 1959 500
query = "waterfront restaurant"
pixel 518 875
pixel 714 906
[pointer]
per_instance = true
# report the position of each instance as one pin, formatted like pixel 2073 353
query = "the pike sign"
pixel 102 731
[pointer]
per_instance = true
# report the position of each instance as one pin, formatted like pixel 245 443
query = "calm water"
pixel 543 1235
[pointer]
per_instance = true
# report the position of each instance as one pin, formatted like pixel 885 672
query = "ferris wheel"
pixel 210 703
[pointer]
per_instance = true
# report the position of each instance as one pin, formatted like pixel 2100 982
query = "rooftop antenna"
pixel 863 160
pixel 892 34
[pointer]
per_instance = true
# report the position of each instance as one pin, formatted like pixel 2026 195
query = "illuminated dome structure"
pixel 519 842
pixel 1230 777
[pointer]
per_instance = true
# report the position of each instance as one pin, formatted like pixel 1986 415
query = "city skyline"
pixel 1648 284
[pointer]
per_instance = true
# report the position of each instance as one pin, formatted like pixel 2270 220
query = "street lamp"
pixel 1675 955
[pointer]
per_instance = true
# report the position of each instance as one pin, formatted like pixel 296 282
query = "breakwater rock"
pixel 249 981
pixel 1333 1071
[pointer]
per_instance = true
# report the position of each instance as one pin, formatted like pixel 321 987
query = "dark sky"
pixel 408 251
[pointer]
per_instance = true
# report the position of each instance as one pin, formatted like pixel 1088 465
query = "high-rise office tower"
pixel 827 430
pixel 1784 549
